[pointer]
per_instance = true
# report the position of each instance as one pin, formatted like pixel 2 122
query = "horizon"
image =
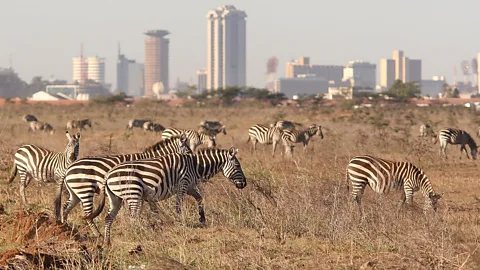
pixel 55 35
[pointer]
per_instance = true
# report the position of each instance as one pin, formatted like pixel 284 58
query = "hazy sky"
pixel 43 36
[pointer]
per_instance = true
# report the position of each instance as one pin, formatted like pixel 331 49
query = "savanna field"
pixel 295 213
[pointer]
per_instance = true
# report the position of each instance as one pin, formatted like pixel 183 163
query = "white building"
pixel 92 68
pixel 387 73
pixel 301 85
pixel 360 74
pixel 226 44
pixel 201 80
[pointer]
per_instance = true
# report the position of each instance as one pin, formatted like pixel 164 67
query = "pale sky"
pixel 43 36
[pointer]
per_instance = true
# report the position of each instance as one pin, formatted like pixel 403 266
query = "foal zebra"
pixel 264 135
pixel 383 175
pixel 159 178
pixel 34 162
pixel 456 136
pixel 294 136
pixel 87 175
pixel 196 138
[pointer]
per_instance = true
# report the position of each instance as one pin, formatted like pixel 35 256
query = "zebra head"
pixel 314 129
pixel 232 169
pixel 73 146
pixel 474 151
pixel 183 144
pixel 434 200
pixel 209 141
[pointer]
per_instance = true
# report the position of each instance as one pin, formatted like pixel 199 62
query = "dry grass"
pixel 294 214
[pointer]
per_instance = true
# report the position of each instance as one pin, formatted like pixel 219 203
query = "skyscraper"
pixel 227 54
pixel 387 73
pixel 156 60
pixel 201 80
pixel 130 76
pixel 399 68
pixel 92 68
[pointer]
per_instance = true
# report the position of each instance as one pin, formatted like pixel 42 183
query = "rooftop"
pixel 157 33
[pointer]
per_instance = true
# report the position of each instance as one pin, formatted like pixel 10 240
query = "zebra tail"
pixel 99 209
pixel 248 139
pixel 13 173
pixel 346 179
pixel 435 139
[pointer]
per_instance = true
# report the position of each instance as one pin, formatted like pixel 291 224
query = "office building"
pixel 226 48
pixel 130 76
pixel 202 80
pixel 401 68
pixel 360 74
pixel 387 73
pixel 307 84
pixel 302 66
pixel 89 68
pixel 156 61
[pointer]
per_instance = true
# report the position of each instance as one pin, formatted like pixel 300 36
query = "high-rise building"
pixel 478 77
pixel 156 61
pixel 402 68
pixel 361 74
pixel 91 68
pixel 201 80
pixel 130 76
pixel 387 73
pixel 302 66
pixel 226 43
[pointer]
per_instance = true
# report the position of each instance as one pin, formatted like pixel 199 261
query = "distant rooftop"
pixel 157 33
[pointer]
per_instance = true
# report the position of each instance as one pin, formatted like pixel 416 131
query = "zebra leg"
pixel 57 204
pixel 274 148
pixel 73 200
pixel 115 204
pixel 24 180
pixel 196 194
pixel 357 192
pixel 182 189
pixel 254 142
pixel 408 195
pixel 154 207
pixel 402 201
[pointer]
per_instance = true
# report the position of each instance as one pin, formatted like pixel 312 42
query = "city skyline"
pixel 274 30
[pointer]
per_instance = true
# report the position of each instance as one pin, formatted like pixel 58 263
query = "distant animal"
pixel 290 137
pixel 196 138
pixel 212 127
pixel 41 126
pixel 456 136
pixel 153 127
pixel 87 175
pixel 384 175
pixel 425 130
pixel 79 124
pixel 137 123
pixel 264 135
pixel 211 124
pixel 160 178
pixel 29 118
pixel 34 162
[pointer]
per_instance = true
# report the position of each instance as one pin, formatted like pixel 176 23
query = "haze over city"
pixel 42 38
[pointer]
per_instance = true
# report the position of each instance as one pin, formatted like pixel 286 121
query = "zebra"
pixel 284 125
pixel 87 175
pixel 159 178
pixel 136 123
pixel 264 135
pixel 34 162
pixel 29 118
pixel 456 136
pixel 196 138
pixel 45 127
pixel 294 136
pixel 425 130
pixel 149 126
pixel 383 176
pixel 79 124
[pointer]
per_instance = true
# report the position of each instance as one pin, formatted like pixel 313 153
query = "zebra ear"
pixel 233 152
pixel 78 135
pixel 68 135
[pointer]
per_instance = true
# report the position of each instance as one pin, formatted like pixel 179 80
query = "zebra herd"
pixel 176 165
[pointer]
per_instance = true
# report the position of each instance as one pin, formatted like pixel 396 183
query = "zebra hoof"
pixel 202 221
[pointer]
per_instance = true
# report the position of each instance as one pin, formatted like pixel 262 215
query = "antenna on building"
pixel 119 51
pixel 83 73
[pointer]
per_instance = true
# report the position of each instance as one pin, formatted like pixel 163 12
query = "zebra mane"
pixel 214 151
pixel 160 144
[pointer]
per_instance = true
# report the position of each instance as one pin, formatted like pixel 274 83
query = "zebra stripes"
pixel 424 129
pixel 159 178
pixel 290 137
pixel 34 162
pixel 264 135
pixel 87 175
pixel 383 175
pixel 456 136
pixel 196 138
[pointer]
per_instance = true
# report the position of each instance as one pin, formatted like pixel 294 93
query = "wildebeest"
pixel 42 126
pixel 149 126
pixel 30 118
pixel 79 124
pixel 212 127
pixel 136 123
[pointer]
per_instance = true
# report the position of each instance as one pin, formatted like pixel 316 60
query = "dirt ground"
pixel 294 213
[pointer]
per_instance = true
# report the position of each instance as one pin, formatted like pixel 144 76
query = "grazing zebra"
pixel 196 138
pixel 284 125
pixel 264 135
pixel 136 123
pixel 149 126
pixel 79 124
pixel 456 136
pixel 87 175
pixel 45 127
pixel 383 176
pixel 29 118
pixel 158 179
pixel 293 136
pixel 33 162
